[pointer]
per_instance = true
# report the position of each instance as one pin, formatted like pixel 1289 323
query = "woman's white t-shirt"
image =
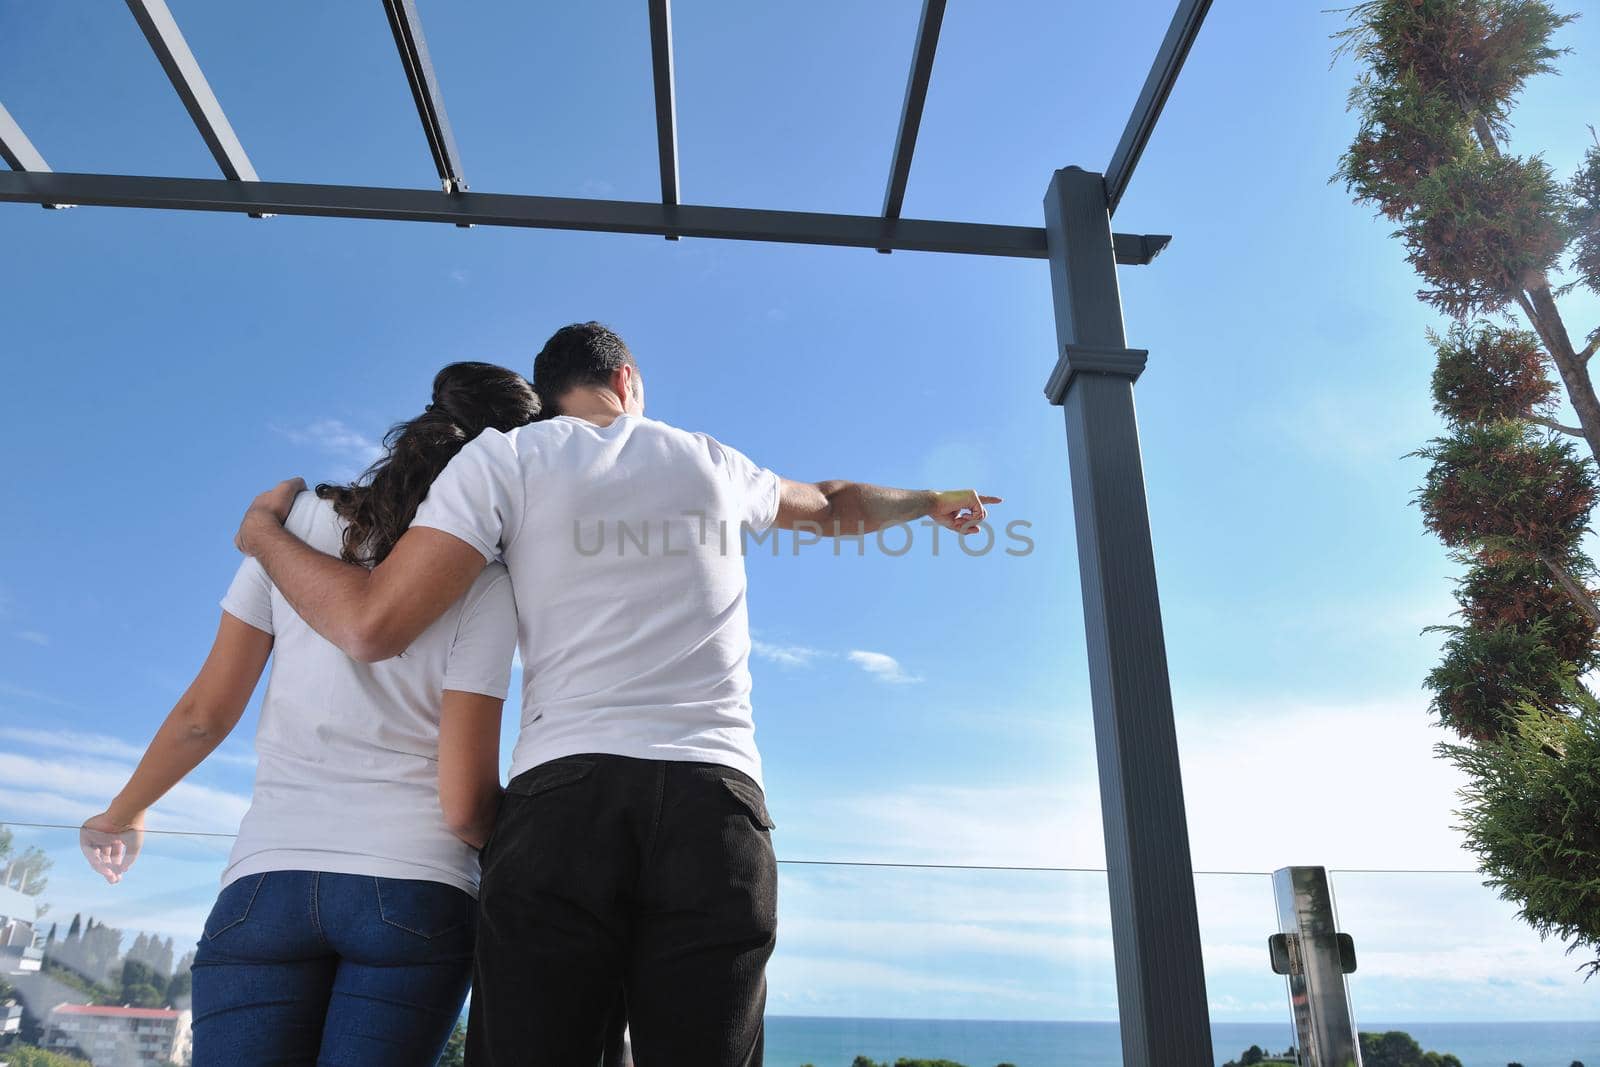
pixel 348 753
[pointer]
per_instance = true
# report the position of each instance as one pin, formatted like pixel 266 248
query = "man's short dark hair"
pixel 583 354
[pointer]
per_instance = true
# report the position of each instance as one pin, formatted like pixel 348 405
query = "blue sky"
pixel 161 368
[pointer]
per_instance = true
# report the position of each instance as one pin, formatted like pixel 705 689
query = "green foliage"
pixel 1396 1048
pixel 1487 673
pixel 180 987
pixel 1529 817
pixel 1474 53
pixel 1518 591
pixel 1583 219
pixel 1256 1055
pixel 455 1048
pixel 1487 373
pixel 144 996
pixel 30 871
pixel 1405 135
pixel 28 1056
pixel 1439 79
pixel 91 952
pixel 1503 485
pixel 93 992
pixel 1484 227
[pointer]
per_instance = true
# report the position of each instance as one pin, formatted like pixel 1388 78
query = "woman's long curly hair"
pixel 468 398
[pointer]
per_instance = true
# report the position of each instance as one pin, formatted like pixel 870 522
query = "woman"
pixel 343 933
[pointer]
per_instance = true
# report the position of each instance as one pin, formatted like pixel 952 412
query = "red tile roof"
pixel 118 1013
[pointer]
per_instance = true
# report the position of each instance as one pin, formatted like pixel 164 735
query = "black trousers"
pixel 649 878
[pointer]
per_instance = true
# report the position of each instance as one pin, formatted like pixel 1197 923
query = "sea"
pixel 793 1041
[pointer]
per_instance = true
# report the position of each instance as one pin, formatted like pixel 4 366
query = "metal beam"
pixel 161 30
pixel 18 151
pixel 1153 97
pixel 546 212
pixel 911 110
pixel 15 148
pixel 1155 930
pixel 666 99
pixel 408 38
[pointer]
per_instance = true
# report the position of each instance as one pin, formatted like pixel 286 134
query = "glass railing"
pixel 1440 957
pixel 876 962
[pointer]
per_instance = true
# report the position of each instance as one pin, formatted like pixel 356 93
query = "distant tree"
pixel 162 961
pixel 1396 1048
pixel 27 872
pixel 144 996
pixel 28 1056
pixel 179 986
pixel 1510 490
pixel 455 1048
pixel 142 987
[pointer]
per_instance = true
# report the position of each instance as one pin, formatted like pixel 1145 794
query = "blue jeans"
pixel 339 970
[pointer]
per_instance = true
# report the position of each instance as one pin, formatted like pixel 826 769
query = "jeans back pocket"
pixel 233 904
pixel 427 909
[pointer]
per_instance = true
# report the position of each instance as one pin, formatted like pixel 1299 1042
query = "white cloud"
pixel 105 746
pixel 33 637
pixel 880 665
pixel 1266 785
pixel 335 438
pixel 1303 781
pixel 883 667
pixel 22 693
pixel 78 743
pixel 75 788
pixel 785 655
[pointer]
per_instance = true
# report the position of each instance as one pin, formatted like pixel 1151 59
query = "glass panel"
pixel 102 969
pixel 971 965
pixel 1440 957
pixel 978 966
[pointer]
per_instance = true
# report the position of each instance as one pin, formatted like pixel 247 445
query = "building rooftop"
pixel 115 1012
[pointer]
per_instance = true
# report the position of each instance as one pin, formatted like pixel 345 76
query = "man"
pixel 632 852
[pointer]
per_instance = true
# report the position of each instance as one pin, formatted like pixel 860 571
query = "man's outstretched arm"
pixel 854 508
pixel 372 614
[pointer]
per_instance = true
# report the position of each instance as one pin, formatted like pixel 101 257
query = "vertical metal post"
pixel 1161 993
pixel 1315 956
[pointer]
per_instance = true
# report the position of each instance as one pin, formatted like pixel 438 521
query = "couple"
pixel 627 866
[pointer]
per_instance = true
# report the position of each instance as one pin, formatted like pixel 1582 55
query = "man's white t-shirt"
pixel 624 548
pixel 348 773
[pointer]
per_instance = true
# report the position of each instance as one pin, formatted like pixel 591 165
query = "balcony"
pixel 976 965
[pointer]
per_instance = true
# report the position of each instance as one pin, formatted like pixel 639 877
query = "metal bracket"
pixel 1285 952
pixel 1077 359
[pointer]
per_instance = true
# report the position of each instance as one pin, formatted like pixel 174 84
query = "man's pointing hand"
pixel 960 510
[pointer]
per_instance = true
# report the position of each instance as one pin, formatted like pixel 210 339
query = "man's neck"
pixel 600 410
pixel 599 418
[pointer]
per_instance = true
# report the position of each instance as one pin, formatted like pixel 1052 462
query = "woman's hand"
pixel 111 845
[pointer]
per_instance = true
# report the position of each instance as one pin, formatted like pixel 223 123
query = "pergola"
pixel 1160 981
